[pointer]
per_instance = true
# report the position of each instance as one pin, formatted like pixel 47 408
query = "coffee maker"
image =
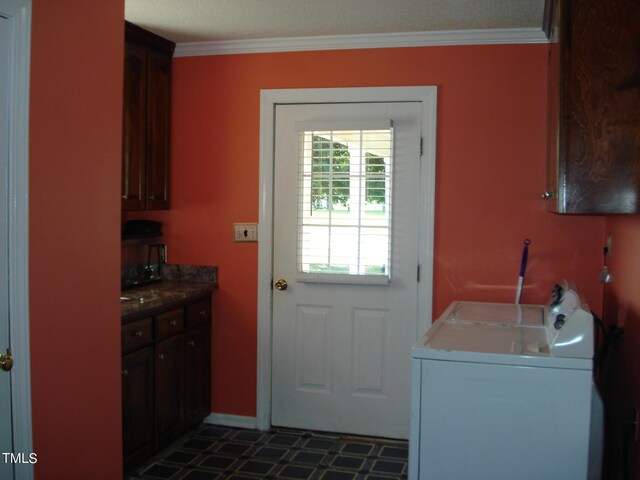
pixel 143 253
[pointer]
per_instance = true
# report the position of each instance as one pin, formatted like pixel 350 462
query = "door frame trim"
pixel 269 100
pixel 20 14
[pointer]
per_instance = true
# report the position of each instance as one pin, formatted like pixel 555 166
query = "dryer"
pixel 505 391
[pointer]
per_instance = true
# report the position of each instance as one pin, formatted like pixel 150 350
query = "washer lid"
pixel 496 313
pixel 481 342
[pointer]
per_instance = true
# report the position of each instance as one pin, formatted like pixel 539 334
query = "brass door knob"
pixel 281 284
pixel 6 361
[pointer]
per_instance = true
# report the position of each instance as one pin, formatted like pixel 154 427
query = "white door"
pixel 6 434
pixel 17 456
pixel 346 194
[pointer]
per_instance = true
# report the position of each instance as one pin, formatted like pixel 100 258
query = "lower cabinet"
pixel 198 378
pixel 169 398
pixel 166 378
pixel 137 405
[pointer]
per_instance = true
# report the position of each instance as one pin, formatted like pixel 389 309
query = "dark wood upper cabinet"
pixel 134 127
pixel 146 120
pixel 594 106
pixel 158 130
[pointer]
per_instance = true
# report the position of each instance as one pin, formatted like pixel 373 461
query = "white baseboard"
pixel 239 421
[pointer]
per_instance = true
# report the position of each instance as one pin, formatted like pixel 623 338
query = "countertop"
pixel 181 283
pixel 149 299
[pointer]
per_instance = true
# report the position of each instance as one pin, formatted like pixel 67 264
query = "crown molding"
pixel 348 42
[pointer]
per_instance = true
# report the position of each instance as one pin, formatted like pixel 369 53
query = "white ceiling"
pixel 223 20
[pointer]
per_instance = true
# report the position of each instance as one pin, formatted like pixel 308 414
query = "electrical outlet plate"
pixel 245 232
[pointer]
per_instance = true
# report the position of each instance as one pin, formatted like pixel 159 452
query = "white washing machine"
pixel 505 392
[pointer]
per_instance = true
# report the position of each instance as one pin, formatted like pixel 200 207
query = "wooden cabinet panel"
pixel 169 390
pixel 137 406
pixel 158 130
pixel 198 374
pixel 137 334
pixel 134 127
pixel 166 379
pixel 594 154
pixel 147 120
pixel 198 313
pixel 170 323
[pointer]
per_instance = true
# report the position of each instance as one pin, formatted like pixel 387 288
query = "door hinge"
pixel 418 273
pixel 421 146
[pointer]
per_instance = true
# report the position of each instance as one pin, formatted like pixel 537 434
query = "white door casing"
pixel 426 98
pixel 15 17
pixel 6 435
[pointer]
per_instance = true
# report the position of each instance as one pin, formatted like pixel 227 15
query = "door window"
pixel 345 192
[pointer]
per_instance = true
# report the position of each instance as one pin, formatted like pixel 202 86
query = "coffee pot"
pixel 156 257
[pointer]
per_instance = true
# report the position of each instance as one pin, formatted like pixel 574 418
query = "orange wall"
pixel 490 175
pixel 74 245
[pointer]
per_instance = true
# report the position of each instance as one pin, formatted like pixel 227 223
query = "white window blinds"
pixel 345 205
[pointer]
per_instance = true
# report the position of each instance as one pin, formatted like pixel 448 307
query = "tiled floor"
pixel 214 452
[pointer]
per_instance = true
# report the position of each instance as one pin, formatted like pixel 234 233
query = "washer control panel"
pixel 569 323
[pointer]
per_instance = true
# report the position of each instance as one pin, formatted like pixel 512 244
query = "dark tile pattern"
pixel 218 453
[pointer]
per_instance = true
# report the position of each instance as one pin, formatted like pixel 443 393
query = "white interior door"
pixel 15 386
pixel 6 431
pixel 346 243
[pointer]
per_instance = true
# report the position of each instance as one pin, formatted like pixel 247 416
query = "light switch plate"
pixel 245 232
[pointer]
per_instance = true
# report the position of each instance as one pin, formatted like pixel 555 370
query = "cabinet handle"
pixel 173 323
pixel 161 356
pixel 138 333
pixel 192 343
pixel 203 313
pixel 125 197
pixel 125 372
pixel 547 195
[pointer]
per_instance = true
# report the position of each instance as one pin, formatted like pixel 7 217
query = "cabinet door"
pixel 134 128
pixel 169 395
pixel 198 374
pixel 158 130
pixel 137 406
pixel 199 313
pixel 554 93
pixel 597 137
